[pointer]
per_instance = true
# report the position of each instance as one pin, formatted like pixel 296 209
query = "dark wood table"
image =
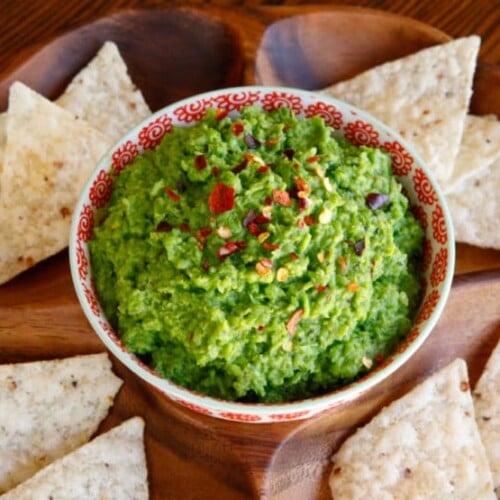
pixel 190 455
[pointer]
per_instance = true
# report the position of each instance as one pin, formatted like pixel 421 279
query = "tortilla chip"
pixel 475 208
pixel 111 466
pixel 487 403
pixel 479 148
pixel 103 94
pixel 49 408
pixel 48 156
pixel 424 445
pixel 423 96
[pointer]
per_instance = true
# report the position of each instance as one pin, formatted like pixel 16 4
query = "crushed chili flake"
pixel 270 246
pixel 260 328
pixel 200 162
pixel 221 199
pixel 342 263
pixel 292 323
pixel 229 248
pixel 163 227
pixel 353 287
pixel 215 171
pixel 272 142
pixel 206 265
pixel 241 166
pixel 289 153
pixel 376 200
pixel 251 141
pixel 309 220
pixel 203 233
pixel 301 224
pixel 172 194
pixel 379 358
pixel 303 204
pixel 185 227
pixel 294 256
pixel 263 169
pixel 262 219
pixel 221 113
pixel 254 229
pixel 281 197
pixel 359 247
pixel 321 288
pixel 237 128
pixel 313 159
pixel 268 200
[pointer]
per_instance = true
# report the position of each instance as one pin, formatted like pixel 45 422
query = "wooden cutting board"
pixel 178 52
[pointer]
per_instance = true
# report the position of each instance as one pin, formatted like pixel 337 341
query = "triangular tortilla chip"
pixel 103 94
pixel 48 156
pixel 112 466
pixel 487 402
pixel 425 445
pixel 479 148
pixel 49 408
pixel 475 208
pixel 424 96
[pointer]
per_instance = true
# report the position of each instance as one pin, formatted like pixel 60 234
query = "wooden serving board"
pixel 175 53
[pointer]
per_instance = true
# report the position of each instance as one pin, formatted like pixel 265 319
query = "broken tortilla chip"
pixel 487 403
pixel 113 465
pixel 479 148
pixel 424 97
pixel 475 208
pixel 48 156
pixel 103 94
pixel 424 445
pixel 49 408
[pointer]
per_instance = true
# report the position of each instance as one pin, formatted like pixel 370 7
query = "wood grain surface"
pixel 192 456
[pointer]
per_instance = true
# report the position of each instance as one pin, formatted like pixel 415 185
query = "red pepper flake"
pixel 254 229
pixel 293 256
pixel 268 201
pixel 272 142
pixel 270 246
pixel 293 321
pixel 260 328
pixel 303 204
pixel 379 358
pixel 281 197
pixel 321 288
pixel 172 194
pixel 203 233
pixel 301 224
pixel 229 248
pixel 353 287
pixel 301 185
pixel 309 220
pixel 263 169
pixel 313 159
pixel 289 153
pixel 342 263
pixel 215 171
pixel 237 128
pixel 185 227
pixel 221 113
pixel 200 162
pixel 261 219
pixel 241 166
pixel 221 199
pixel 206 265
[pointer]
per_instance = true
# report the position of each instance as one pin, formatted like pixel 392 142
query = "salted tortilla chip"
pixel 49 408
pixel 475 208
pixel 424 96
pixel 425 445
pixel 479 148
pixel 111 466
pixel 103 94
pixel 48 156
pixel 487 403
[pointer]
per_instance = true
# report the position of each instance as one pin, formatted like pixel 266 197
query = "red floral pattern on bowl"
pixel 427 204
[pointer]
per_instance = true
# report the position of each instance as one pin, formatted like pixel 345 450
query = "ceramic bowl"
pixel 359 127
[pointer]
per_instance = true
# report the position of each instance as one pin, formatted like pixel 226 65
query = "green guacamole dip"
pixel 258 257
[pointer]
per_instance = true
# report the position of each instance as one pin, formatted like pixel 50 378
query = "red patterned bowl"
pixel 425 196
